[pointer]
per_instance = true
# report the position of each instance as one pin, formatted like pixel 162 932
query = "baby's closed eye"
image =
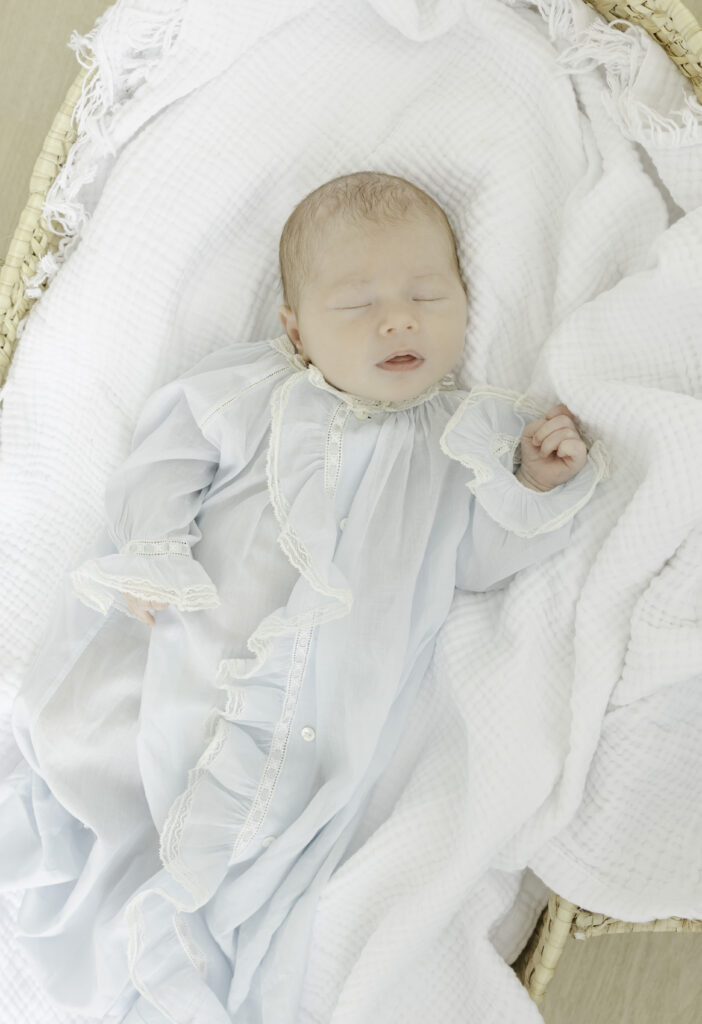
pixel 365 305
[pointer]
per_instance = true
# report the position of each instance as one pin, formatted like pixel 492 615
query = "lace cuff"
pixel 154 570
pixel 484 434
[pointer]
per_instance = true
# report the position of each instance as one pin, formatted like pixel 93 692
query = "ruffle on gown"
pixel 484 435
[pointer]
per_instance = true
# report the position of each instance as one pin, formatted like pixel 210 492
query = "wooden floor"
pixel 610 979
pixel 643 978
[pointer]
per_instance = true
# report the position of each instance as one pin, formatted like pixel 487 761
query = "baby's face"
pixel 376 290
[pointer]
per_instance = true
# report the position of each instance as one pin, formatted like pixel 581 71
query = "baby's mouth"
pixel 408 361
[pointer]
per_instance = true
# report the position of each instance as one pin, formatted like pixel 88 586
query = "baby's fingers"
pixel 150 621
pixel 571 448
pixel 530 429
pixel 557 438
pixel 139 608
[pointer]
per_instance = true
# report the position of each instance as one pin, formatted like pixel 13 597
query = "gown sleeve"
pixel 152 499
pixel 510 527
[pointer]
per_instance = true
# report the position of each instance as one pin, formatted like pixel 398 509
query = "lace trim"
pixel 92 584
pixel 136 927
pixel 504 443
pixel 169 546
pixel 172 834
pixel 333 450
pixel 288 539
pixel 523 402
pixel 193 952
pixel 363 408
pixel 279 743
pixel 284 345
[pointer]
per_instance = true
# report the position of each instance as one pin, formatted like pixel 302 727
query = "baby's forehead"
pixel 332 224
pixel 327 239
pixel 332 262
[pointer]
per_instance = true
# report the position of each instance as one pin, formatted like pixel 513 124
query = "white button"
pixel 307 733
pixel 267 841
pixel 343 522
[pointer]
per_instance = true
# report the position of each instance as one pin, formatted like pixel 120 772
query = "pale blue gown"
pixel 185 791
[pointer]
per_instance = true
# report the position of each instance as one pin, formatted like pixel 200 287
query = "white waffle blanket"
pixel 555 741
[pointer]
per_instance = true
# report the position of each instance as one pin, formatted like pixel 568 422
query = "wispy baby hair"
pixel 361 196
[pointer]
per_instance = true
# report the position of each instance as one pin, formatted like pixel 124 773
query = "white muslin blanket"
pixel 555 738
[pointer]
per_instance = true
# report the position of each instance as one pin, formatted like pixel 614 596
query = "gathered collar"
pixel 363 408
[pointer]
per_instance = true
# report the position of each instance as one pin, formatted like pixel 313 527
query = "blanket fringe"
pixel 559 16
pixel 621 48
pixel 141 38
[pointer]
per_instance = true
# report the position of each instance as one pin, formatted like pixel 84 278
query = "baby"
pixel 376 301
pixel 194 786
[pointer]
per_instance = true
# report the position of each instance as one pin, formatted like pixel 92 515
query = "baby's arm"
pixel 490 555
pixel 213 418
pixel 510 525
pixel 518 518
pixel 151 503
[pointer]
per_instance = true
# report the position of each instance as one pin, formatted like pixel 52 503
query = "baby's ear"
pixel 289 322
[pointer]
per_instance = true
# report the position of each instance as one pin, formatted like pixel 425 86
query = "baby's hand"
pixel 552 450
pixel 137 606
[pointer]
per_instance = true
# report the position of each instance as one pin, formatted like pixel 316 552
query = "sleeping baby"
pixel 376 303
pixel 337 486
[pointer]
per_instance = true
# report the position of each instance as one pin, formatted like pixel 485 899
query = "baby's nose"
pixel 399 323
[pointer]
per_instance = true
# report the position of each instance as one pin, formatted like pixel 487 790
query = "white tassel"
pixel 120 52
pixel 621 55
pixel 559 16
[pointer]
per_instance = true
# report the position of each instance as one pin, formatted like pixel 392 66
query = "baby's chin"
pixel 399 389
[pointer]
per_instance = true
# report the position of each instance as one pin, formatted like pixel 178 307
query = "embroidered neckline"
pixel 363 408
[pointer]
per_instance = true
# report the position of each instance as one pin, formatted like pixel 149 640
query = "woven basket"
pixel 673 26
pixel 33 238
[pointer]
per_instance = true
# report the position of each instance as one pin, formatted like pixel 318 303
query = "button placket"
pixel 269 778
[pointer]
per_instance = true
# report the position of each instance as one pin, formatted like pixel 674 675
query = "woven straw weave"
pixel 33 237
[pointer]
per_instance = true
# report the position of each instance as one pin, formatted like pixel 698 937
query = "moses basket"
pixel 677 31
